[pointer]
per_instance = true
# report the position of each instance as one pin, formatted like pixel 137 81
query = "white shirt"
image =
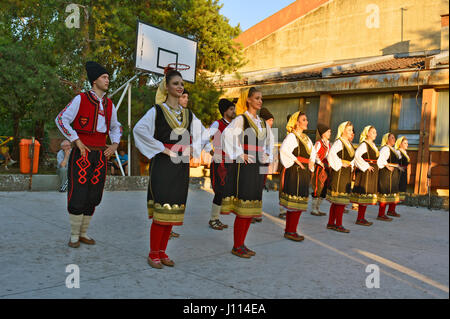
pixel 333 159
pixel 359 161
pixel 69 113
pixel 287 147
pixel 385 152
pixel 149 146
pixel 230 137
pixel 313 157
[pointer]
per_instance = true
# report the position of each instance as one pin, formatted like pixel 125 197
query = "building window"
pixel 410 116
pixel 362 110
pixel 442 127
pixel 280 109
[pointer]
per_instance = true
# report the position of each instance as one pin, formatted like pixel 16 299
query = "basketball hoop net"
pixel 176 66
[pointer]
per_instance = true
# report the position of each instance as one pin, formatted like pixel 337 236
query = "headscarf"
pixel 291 123
pixel 161 93
pixel 385 138
pixel 399 141
pixel 364 133
pixel 341 129
pixel 241 104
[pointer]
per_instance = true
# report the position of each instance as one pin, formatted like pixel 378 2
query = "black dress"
pixel 294 188
pixel 340 186
pixel 169 181
pixel 243 190
pixel 366 183
pixel 403 180
pixel 388 182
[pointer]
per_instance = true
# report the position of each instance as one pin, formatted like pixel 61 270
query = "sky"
pixel 250 12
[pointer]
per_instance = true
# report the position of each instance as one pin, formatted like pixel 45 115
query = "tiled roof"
pixel 393 64
pixel 389 65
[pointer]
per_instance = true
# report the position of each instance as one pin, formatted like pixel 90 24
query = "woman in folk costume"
pixel 164 134
pixel 219 168
pixel 246 141
pixel 402 145
pixel 296 176
pixel 340 159
pixel 388 178
pixel 318 164
pixel 366 182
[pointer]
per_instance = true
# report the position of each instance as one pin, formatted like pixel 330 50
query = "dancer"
pixel 268 117
pixel 94 117
pixel 294 187
pixel 340 159
pixel 283 211
pixel 366 182
pixel 246 140
pixel 164 134
pixel 219 169
pixel 388 178
pixel 402 146
pixel 318 164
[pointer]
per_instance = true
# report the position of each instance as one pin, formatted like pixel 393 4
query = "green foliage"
pixel 43 61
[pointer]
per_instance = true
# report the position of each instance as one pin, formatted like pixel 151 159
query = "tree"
pixel 107 34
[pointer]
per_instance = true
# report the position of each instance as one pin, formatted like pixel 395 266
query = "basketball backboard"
pixel 156 48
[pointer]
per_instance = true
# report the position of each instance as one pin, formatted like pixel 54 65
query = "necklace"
pixel 177 113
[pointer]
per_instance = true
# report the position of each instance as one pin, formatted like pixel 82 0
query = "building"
pixel 380 62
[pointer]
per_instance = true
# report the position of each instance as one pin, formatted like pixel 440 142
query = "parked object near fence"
pixel 26 153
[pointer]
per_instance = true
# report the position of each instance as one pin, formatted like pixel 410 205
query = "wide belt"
pixel 302 160
pixel 346 162
pixel 176 147
pixel 372 161
pixel 253 148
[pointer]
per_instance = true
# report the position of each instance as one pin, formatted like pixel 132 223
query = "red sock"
pixel 164 241
pixel 339 214
pixel 381 209
pixel 247 222
pixel 391 208
pixel 361 212
pixel 332 214
pixel 292 218
pixel 239 224
pixel 156 233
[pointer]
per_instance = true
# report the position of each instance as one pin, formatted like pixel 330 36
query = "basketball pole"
pixel 126 88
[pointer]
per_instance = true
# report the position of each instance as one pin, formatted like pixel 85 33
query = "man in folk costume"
pixel 246 141
pixel 340 159
pixel 388 178
pixel 402 146
pixel 296 176
pixel 163 135
pixel 219 167
pixel 318 164
pixel 366 182
pixel 93 117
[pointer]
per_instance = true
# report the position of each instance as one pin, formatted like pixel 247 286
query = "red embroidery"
pixel 82 163
pixel 97 172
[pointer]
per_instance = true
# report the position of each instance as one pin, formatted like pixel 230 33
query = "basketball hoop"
pixel 178 66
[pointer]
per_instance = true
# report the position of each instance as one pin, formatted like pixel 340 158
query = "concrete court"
pixel 412 253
